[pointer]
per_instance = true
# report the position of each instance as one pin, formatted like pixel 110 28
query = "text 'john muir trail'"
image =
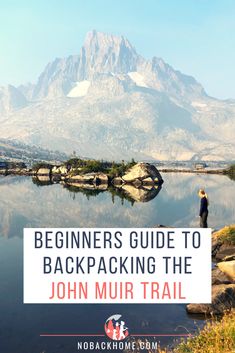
pixel 116 290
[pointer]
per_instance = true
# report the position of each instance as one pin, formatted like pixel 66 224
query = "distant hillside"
pixel 11 150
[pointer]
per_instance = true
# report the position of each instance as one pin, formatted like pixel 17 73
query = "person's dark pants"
pixel 203 220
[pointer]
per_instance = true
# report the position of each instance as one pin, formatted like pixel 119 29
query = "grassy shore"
pixel 226 234
pixel 218 336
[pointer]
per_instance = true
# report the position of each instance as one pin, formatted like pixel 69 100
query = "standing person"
pixel 203 208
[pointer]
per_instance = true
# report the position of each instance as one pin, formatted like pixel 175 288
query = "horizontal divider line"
pixel 100 335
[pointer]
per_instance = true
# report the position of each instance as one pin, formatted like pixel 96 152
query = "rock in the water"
pixel 44 171
pixel 101 178
pixel 59 170
pixel 142 171
pixel 228 267
pixel 117 181
pixel 223 298
pixel 83 178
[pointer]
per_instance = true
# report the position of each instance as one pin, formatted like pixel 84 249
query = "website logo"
pixel 115 328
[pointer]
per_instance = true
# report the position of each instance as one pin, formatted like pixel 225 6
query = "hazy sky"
pixel 194 36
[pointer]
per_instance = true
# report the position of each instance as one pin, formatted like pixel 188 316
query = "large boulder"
pixel 101 178
pixel 223 298
pixel 228 267
pixel 143 171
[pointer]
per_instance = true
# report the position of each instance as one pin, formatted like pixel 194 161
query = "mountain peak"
pixel 127 106
pixel 105 53
pixel 106 40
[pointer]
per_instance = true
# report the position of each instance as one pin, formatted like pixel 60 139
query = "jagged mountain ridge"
pixel 109 102
pixel 103 53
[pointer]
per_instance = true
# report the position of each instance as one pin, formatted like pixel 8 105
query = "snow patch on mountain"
pixel 80 90
pixel 137 78
pixel 199 104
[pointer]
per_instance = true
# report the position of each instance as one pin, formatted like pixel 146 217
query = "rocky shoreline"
pixel 139 174
pixel 223 274
pixel 62 170
pixel 139 183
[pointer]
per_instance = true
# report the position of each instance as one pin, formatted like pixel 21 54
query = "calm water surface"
pixel 24 204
